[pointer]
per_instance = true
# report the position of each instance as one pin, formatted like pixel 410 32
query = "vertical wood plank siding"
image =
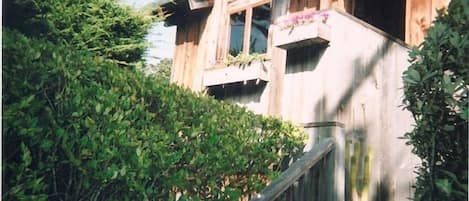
pixel 186 54
pixel 419 16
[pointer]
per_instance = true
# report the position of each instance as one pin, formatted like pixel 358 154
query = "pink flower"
pixel 304 17
pixel 324 16
pixel 310 15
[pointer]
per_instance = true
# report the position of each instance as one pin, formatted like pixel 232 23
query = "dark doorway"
pixel 387 15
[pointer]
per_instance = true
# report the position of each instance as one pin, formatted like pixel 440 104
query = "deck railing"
pixel 309 178
pixel 318 174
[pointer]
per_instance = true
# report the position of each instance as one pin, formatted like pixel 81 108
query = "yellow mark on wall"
pixel 359 163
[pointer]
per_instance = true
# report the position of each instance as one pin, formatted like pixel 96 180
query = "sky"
pixel 136 3
pixel 160 38
pixel 162 43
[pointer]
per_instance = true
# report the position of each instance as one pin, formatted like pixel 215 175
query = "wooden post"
pixel 279 8
pixel 339 168
pixel 275 86
pixel 320 131
pixel 247 31
pixel 278 56
pixel 324 4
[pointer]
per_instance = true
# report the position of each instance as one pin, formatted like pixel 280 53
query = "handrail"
pixel 295 171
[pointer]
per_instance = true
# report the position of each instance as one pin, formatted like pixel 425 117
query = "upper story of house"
pixel 212 32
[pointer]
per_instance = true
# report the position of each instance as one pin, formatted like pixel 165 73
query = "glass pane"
pixel 259 29
pixel 237 33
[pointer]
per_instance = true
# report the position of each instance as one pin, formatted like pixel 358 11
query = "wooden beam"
pixel 241 5
pixel 349 6
pixel 324 4
pixel 312 4
pixel 277 75
pixel 323 124
pixel 224 40
pixel 224 28
pixel 294 6
pixel 338 4
pixel 247 31
pixel 407 21
pixel 279 8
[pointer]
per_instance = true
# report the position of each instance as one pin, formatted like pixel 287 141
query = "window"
pixel 259 29
pixel 249 30
pixel 237 23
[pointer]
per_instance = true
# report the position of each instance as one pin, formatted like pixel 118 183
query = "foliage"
pixel 101 26
pixel 154 9
pixel 242 59
pixel 77 127
pixel 436 92
pixel 162 70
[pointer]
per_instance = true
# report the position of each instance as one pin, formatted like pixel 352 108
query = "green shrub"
pixel 100 26
pixel 76 127
pixel 162 70
pixel 436 92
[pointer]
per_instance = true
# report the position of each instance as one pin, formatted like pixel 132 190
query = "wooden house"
pixel 331 66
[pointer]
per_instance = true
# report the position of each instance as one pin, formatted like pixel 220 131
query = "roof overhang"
pixel 180 8
pixel 198 4
pixel 193 4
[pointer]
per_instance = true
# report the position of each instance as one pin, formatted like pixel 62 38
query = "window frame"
pixel 240 6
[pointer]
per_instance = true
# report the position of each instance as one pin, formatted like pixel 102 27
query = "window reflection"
pixel 259 29
pixel 237 33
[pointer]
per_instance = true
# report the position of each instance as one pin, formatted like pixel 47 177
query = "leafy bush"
pixel 77 127
pixel 436 92
pixel 162 70
pixel 101 26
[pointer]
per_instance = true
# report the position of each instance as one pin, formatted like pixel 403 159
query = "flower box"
pixel 301 29
pixel 236 73
pixel 301 35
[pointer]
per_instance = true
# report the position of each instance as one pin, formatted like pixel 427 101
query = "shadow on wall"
pixel 304 58
pixel 358 153
pixel 242 93
pixel 362 70
pixel 383 192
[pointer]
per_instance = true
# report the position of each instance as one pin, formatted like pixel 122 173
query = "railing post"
pixel 319 131
pixel 339 168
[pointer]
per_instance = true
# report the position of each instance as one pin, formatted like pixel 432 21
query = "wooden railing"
pixel 309 178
